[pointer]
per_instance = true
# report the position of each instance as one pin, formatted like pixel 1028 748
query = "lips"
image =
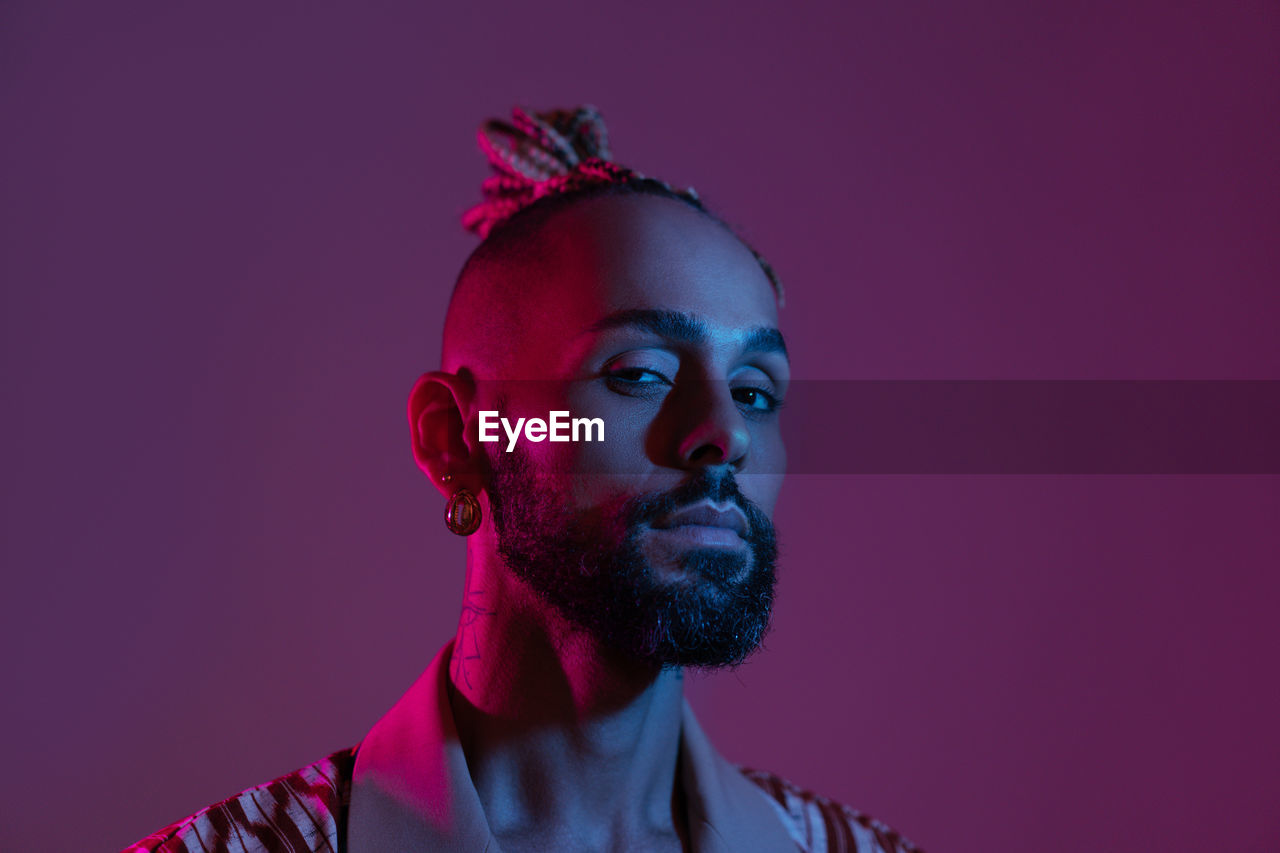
pixel 705 514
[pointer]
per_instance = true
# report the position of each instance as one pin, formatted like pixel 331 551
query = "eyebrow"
pixel 680 326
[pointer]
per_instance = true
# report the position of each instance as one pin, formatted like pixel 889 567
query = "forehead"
pixel 617 253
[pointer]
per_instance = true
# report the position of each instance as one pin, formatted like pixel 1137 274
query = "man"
pixel 596 568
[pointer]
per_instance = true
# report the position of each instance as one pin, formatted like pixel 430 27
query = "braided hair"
pixel 545 161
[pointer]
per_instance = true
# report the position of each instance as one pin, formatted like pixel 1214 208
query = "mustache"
pixel 705 485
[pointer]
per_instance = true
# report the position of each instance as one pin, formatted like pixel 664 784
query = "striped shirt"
pixel 307 811
pixel 406 786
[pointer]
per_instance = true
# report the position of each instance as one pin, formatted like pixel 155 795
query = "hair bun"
pixel 554 152
pixel 544 153
pixel 542 145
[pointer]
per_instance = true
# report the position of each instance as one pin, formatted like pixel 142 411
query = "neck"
pixel 564 739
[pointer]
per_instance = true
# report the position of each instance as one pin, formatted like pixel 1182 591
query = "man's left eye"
pixel 756 399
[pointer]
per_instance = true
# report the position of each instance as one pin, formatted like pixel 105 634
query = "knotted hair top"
pixel 560 152
pixel 546 153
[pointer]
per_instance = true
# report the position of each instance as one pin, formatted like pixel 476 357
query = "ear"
pixel 438 406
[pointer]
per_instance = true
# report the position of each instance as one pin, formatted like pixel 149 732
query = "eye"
pixel 634 381
pixel 757 400
pixel 637 376
pixel 642 372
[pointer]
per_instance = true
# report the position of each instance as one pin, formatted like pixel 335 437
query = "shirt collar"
pixel 411 789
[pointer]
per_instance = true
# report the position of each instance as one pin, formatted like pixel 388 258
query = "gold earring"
pixel 462 513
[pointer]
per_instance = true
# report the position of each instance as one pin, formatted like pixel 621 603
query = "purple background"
pixel 228 236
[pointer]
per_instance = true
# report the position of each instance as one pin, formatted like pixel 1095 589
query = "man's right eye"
pixel 637 382
pixel 638 375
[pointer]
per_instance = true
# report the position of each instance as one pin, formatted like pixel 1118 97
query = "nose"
pixel 716 431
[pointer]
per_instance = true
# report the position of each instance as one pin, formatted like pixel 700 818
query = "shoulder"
pixel 301 811
pixel 818 824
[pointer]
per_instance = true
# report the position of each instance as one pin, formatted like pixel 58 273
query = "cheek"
pixel 762 479
pixel 590 472
pixel 617 466
pixel 761 489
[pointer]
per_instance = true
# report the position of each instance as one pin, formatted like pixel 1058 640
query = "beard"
pixel 589 565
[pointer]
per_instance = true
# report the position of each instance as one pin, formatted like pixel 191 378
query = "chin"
pixel 712 568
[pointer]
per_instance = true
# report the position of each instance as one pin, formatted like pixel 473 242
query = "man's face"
pixel 658 540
